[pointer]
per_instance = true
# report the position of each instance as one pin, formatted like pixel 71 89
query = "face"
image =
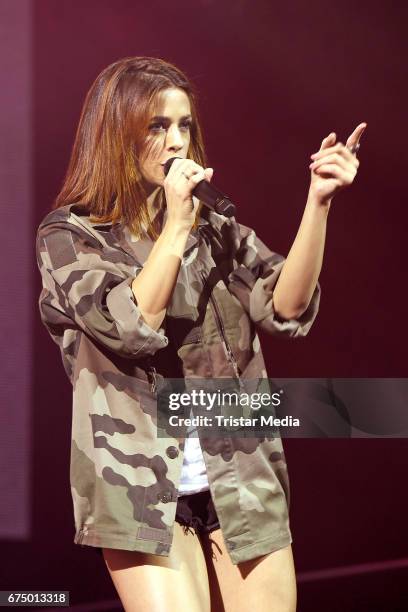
pixel 168 134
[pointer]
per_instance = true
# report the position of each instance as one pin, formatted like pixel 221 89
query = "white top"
pixel 193 472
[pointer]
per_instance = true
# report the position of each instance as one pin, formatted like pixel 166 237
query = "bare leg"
pixel 264 584
pixel 154 583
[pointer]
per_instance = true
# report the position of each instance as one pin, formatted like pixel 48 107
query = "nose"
pixel 174 140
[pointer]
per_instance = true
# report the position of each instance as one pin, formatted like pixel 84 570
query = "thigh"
pixel 263 584
pixel 154 583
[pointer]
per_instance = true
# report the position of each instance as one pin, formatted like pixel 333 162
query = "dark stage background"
pixel 274 79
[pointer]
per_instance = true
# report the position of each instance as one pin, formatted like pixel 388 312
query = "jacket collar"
pixel 118 234
pixel 140 248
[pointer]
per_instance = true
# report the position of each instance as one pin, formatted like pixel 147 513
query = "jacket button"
pixel 164 497
pixel 172 452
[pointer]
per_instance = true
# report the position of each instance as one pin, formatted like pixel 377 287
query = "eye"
pixel 159 126
pixel 186 125
pixel 156 127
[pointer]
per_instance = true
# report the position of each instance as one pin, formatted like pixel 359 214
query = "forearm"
pixel 154 285
pixel 300 273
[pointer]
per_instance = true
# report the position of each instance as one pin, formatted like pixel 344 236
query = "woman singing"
pixel 142 283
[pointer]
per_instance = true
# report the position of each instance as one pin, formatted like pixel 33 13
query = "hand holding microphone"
pixel 182 176
pixel 199 185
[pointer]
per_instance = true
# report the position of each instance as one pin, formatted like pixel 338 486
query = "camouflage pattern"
pixel 124 479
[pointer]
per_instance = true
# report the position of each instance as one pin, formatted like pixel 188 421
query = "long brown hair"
pixel 104 169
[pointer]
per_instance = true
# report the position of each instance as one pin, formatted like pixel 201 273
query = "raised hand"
pixel 334 166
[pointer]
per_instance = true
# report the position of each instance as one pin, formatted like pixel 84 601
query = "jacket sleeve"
pixel 85 284
pixel 256 272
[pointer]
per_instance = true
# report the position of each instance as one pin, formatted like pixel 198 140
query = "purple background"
pixel 274 80
pixel 17 315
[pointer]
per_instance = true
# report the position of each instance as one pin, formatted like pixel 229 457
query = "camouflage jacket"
pixel 124 479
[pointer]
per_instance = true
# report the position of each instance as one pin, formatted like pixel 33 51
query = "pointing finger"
pixel 353 141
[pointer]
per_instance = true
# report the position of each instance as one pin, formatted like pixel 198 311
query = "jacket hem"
pixel 259 548
pixel 102 540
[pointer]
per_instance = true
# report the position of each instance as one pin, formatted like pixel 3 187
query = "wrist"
pixel 175 229
pixel 317 202
pixel 173 238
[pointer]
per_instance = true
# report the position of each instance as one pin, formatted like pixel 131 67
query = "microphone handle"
pixel 208 194
pixel 213 198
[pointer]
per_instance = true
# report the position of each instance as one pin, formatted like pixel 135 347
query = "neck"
pixel 156 204
pixel 155 200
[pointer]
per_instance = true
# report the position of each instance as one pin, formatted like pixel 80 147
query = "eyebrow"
pixel 162 118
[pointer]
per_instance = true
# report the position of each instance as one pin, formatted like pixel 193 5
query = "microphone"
pixel 208 194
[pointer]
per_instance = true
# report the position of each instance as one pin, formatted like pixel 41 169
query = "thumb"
pixel 329 141
pixel 208 173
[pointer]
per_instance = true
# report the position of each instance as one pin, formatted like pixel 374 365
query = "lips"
pixel 162 163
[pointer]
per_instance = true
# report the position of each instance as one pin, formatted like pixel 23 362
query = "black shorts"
pixel 195 512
